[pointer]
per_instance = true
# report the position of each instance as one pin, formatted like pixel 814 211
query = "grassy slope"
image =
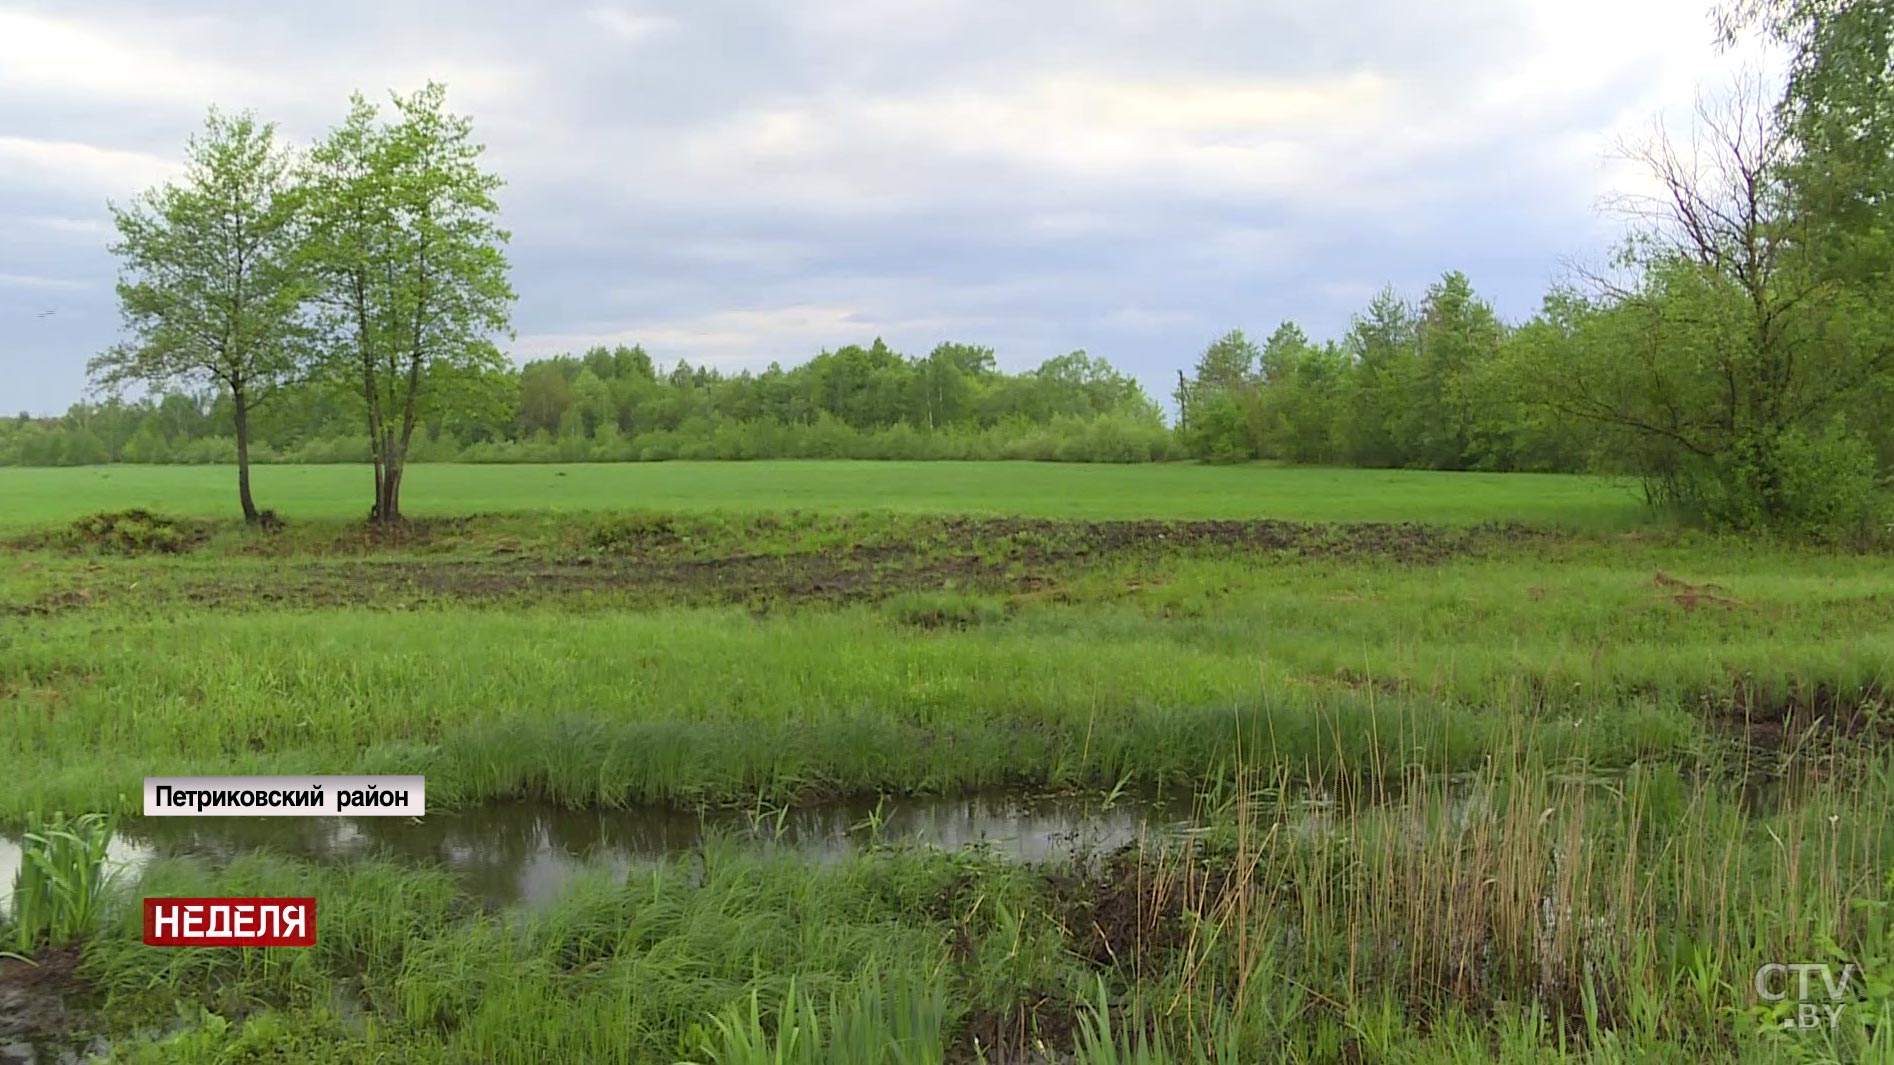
pixel 30 497
pixel 1148 663
pixel 1134 664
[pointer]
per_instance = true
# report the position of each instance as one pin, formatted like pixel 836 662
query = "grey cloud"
pixel 743 181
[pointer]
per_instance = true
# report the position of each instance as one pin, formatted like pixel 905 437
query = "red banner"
pixel 230 922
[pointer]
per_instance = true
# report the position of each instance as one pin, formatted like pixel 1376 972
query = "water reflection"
pixel 516 853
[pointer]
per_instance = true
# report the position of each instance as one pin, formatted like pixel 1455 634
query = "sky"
pixel 736 183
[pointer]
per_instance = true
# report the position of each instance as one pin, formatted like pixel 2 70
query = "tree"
pixel 949 379
pixel 1219 410
pixel 1380 344
pixel 1228 363
pixel 1838 109
pixel 1457 335
pixel 209 283
pixel 1296 413
pixel 1732 365
pixel 408 254
pixel 544 396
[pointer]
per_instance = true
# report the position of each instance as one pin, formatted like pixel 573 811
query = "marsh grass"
pixel 1506 805
pixel 60 890
pixel 606 706
pixel 1518 912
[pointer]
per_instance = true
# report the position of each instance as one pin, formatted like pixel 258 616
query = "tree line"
pixel 342 304
pixel 618 404
pixel 1737 356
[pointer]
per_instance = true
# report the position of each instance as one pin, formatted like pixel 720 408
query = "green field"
pixel 41 496
pixel 1535 779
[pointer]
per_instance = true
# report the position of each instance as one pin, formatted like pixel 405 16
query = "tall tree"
pixel 1838 108
pixel 209 285
pixel 1457 335
pixel 407 248
pixel 1381 346
pixel 1733 364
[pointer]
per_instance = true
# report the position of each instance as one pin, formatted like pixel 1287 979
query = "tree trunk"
pixel 388 490
pixel 241 408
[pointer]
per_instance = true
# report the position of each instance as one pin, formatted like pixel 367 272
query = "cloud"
pixel 72 167
pixel 630 26
pixel 63 57
pixel 60 227
pixel 736 182
pixel 35 282
pixel 744 338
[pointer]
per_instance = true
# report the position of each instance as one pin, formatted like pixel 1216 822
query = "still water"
pixel 526 853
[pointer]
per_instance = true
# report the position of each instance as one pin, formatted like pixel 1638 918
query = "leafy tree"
pixel 209 284
pixel 1218 406
pixel 1229 363
pixel 1299 412
pixel 1728 367
pixel 545 394
pixel 1380 344
pixel 408 251
pixel 1456 337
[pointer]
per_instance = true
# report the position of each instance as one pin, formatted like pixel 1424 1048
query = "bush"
pixel 1795 483
pixel 133 532
pixel 1219 432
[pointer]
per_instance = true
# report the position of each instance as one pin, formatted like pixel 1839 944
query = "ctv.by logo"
pixel 1775 980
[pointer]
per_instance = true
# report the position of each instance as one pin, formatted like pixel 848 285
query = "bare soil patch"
pixel 36 1002
pixel 1782 720
pixel 654 562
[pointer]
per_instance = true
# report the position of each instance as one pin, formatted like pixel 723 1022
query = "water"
pixel 526 853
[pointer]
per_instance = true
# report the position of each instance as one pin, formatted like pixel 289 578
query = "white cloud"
pixel 745 338
pixel 63 227
pixel 745 182
pixel 88 60
pixel 68 166
pixel 36 282
pixel 627 25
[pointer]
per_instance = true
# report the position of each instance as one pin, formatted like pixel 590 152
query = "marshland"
pixel 1504 675
pixel 1172 772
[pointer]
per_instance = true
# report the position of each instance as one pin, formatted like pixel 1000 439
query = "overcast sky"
pixel 737 182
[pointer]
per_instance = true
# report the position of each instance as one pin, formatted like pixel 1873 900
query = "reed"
pixel 60 891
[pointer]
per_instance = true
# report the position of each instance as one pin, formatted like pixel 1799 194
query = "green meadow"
pixel 41 496
pixel 1477 767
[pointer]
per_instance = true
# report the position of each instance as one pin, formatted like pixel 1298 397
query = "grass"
pixel 1515 916
pixel 1584 783
pixel 59 890
pixel 1138 663
pixel 38 497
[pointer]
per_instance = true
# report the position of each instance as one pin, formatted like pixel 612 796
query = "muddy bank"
pixel 755 561
pixel 42 1014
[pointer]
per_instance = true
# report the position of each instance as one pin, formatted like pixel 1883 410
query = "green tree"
pixel 1732 366
pixel 209 284
pixel 1218 407
pixel 409 254
pixel 1380 345
pixel 1298 405
pixel 1456 337
pixel 545 394
pixel 1838 110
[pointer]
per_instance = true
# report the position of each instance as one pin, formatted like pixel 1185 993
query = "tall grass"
pixel 1520 912
pixel 1135 667
pixel 60 890
pixel 873 1024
